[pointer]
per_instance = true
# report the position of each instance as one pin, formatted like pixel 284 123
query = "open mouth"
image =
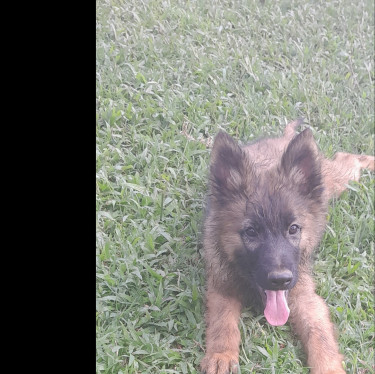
pixel 276 308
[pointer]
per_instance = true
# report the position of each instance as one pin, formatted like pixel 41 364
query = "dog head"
pixel 267 212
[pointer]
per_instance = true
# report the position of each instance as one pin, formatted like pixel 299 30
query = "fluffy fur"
pixel 267 208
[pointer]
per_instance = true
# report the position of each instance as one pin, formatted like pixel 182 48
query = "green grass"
pixel 170 74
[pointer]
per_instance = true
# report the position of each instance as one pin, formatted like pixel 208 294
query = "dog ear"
pixel 300 163
pixel 226 165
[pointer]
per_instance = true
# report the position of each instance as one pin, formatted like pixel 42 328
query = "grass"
pixel 170 74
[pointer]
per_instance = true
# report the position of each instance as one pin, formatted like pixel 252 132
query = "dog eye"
pixel 294 229
pixel 250 231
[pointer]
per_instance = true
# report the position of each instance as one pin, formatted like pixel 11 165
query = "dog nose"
pixel 280 278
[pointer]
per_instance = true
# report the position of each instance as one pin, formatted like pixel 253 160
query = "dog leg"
pixel 309 317
pixel 344 167
pixel 222 334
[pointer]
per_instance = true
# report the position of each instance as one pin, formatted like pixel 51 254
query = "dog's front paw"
pixel 338 369
pixel 220 363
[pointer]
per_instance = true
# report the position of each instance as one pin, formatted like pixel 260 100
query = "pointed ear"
pixel 300 163
pixel 226 165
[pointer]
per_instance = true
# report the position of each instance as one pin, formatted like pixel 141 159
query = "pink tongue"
pixel 276 311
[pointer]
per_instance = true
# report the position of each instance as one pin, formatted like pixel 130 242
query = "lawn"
pixel 169 75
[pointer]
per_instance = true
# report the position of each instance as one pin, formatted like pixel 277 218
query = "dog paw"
pixel 220 363
pixel 338 370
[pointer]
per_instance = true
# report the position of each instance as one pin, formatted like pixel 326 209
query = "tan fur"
pixel 344 167
pixel 222 334
pixel 309 315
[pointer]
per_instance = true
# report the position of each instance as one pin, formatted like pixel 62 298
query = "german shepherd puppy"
pixel 266 213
